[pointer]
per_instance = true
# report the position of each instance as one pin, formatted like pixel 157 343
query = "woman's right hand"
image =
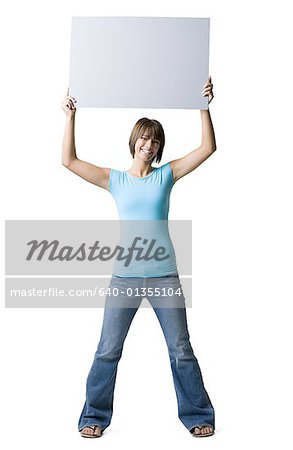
pixel 68 104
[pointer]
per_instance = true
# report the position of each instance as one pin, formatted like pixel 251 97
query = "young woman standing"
pixel 142 193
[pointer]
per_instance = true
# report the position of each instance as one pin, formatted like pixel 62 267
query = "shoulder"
pixel 166 170
pixel 115 178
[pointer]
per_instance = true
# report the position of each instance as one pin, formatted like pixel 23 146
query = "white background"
pixel 240 201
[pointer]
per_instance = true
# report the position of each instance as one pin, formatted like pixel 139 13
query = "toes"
pixel 203 430
pixel 206 430
pixel 87 430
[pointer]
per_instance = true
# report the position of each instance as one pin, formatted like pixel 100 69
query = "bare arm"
pixel 182 166
pixel 99 176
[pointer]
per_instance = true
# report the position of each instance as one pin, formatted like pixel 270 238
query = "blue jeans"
pixel 194 405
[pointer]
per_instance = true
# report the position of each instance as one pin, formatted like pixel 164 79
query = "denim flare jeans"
pixel 194 405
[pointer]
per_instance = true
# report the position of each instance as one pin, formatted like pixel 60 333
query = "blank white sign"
pixel 139 62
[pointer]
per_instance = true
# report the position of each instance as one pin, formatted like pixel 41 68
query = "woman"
pixel 142 193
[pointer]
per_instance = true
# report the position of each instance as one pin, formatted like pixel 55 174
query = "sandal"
pixel 94 427
pixel 199 427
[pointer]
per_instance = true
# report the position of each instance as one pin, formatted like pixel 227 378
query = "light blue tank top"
pixel 143 207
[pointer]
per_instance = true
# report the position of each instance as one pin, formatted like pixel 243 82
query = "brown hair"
pixel 154 128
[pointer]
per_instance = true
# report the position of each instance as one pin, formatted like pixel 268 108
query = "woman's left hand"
pixel 208 90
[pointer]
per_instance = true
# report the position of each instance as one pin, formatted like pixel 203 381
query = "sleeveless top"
pixel 143 207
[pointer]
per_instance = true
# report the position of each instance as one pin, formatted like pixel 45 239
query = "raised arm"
pixel 182 166
pixel 99 176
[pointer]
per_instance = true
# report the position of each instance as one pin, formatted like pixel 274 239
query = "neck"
pixel 140 168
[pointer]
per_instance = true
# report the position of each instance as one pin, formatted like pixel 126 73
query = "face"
pixel 146 147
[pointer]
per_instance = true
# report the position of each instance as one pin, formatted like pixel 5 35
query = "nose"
pixel 148 143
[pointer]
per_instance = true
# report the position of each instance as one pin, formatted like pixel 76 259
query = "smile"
pixel 146 152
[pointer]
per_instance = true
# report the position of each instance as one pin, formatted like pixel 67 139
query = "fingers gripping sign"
pixel 208 90
pixel 68 104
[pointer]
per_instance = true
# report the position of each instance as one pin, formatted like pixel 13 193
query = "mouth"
pixel 148 153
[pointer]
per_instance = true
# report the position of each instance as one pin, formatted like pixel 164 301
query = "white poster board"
pixel 139 62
